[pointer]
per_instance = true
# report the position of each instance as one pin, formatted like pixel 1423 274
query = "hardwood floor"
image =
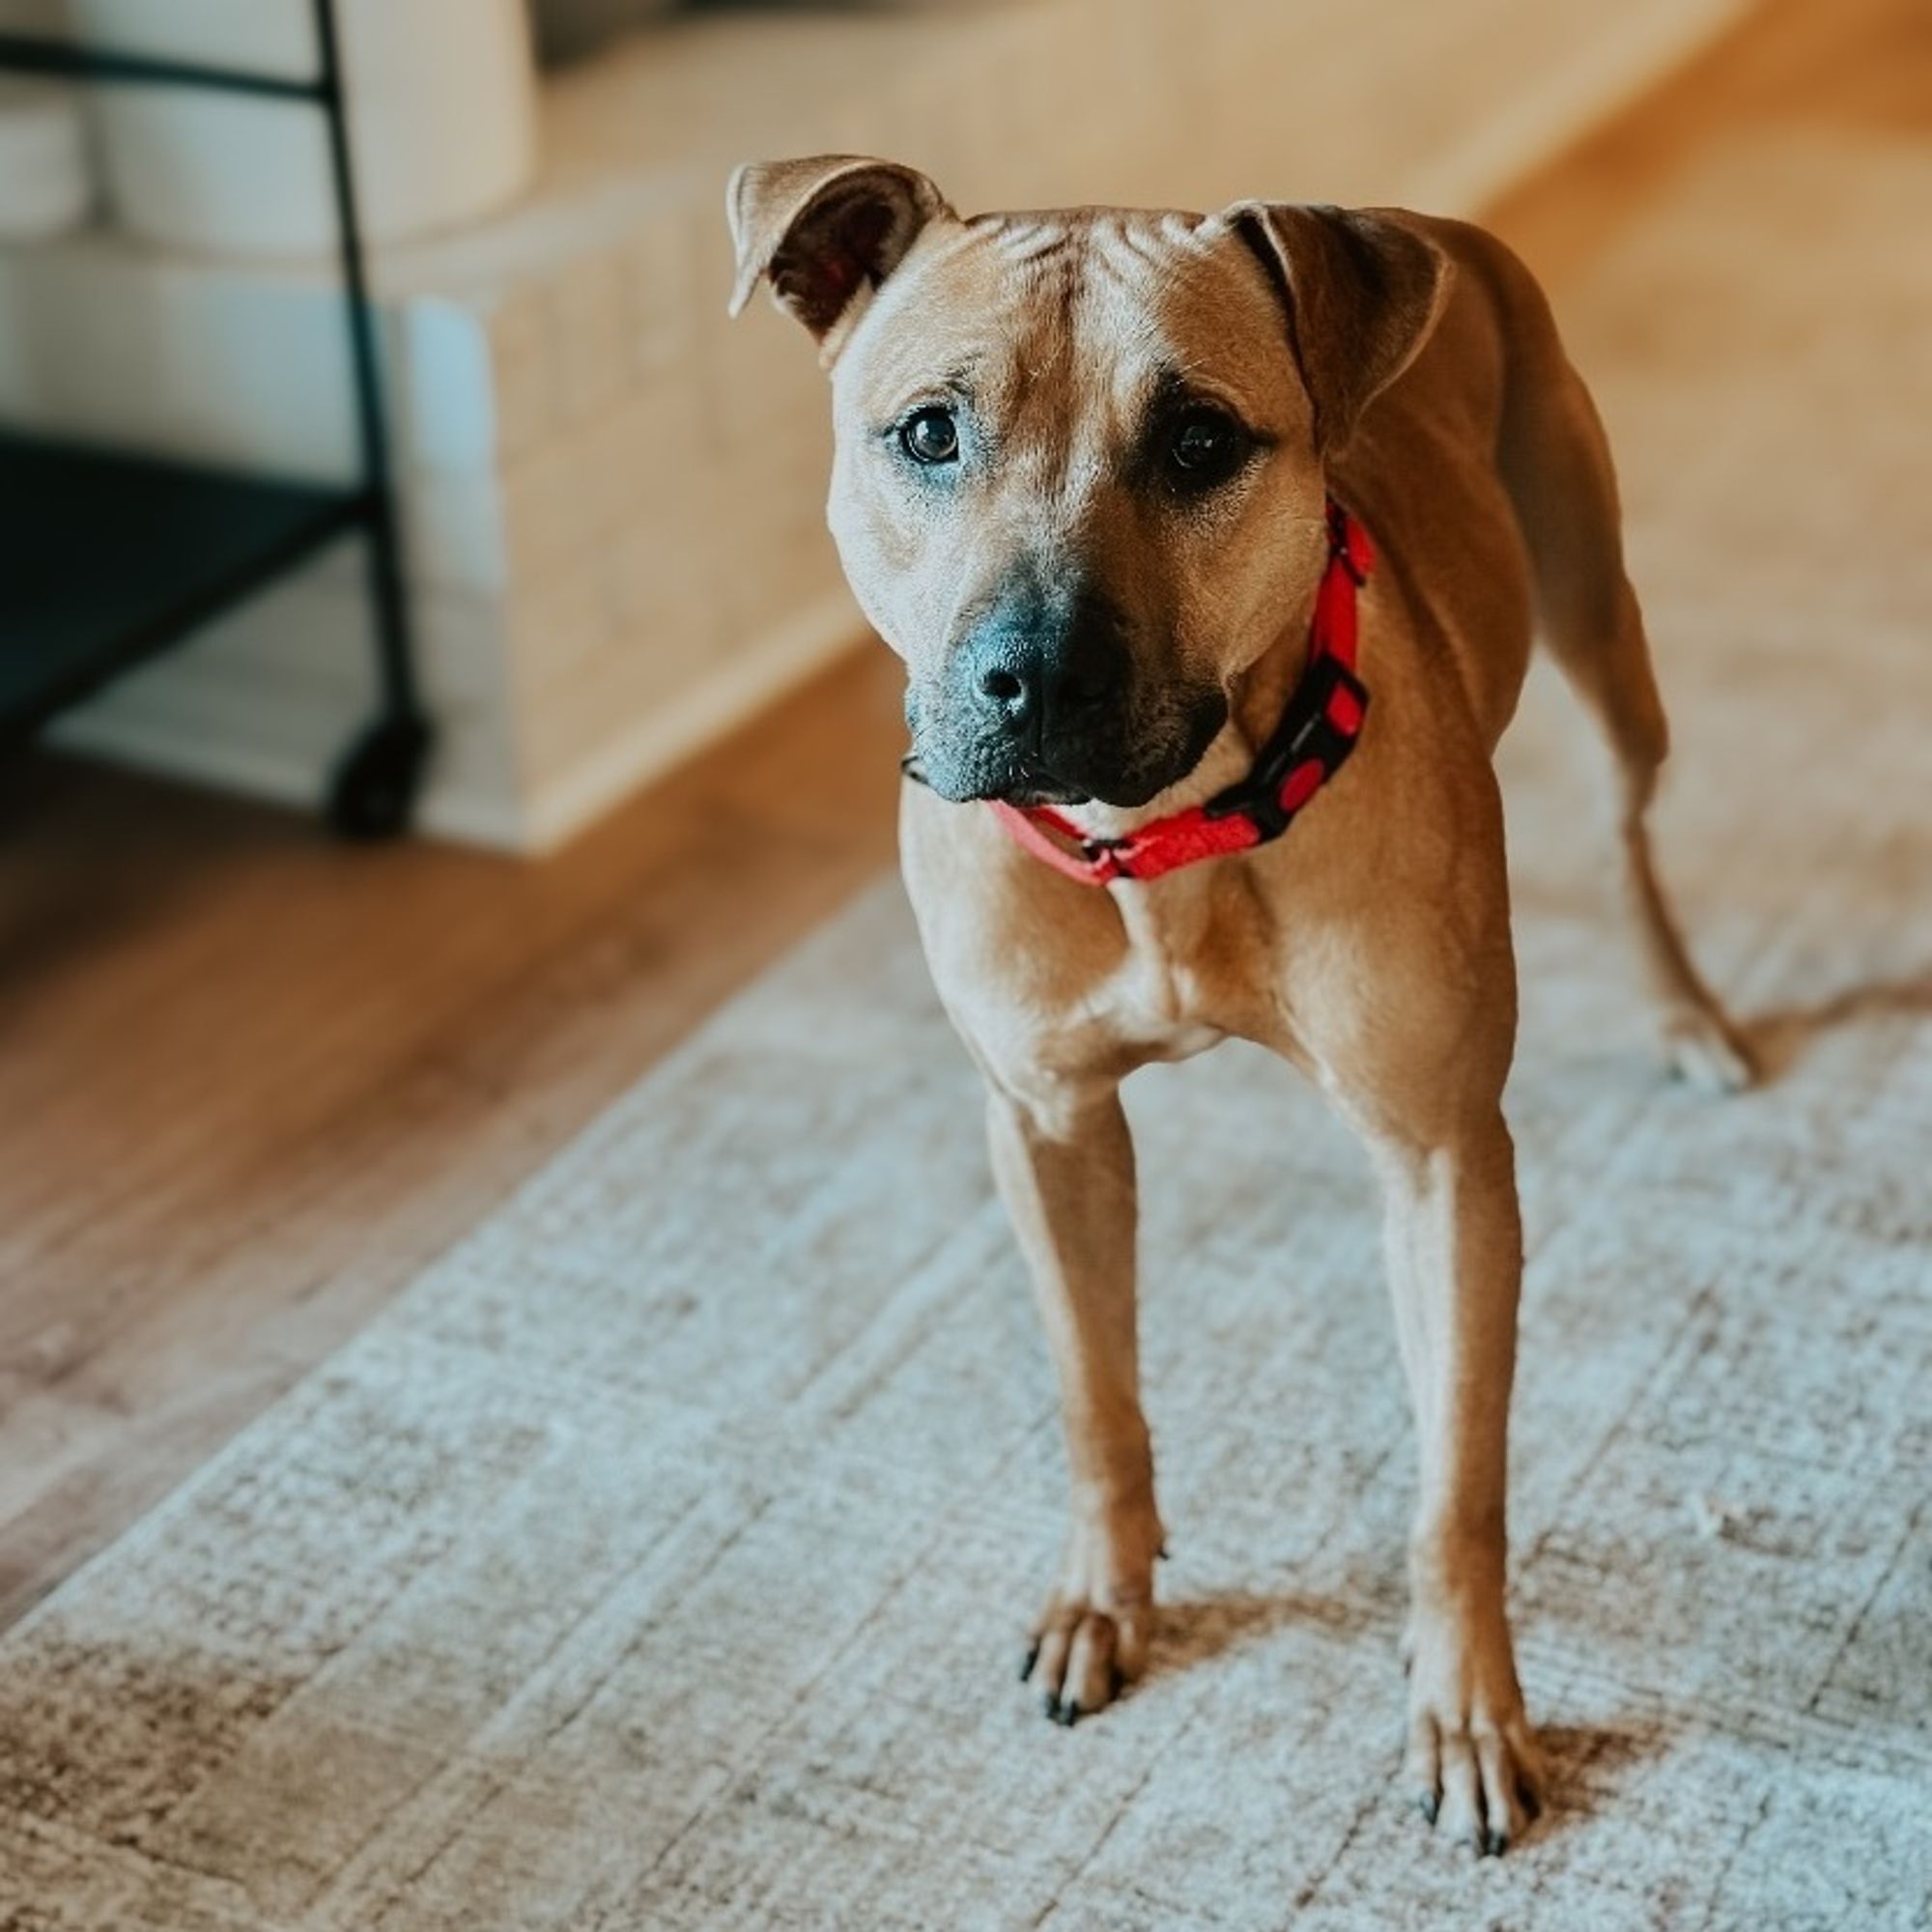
pixel 250 1082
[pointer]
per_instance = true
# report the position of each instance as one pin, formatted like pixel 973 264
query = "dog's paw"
pixel 1704 1050
pixel 1081 1657
pixel 1091 1642
pixel 1471 1764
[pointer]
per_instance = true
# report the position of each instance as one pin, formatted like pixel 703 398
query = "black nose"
pixel 1040 662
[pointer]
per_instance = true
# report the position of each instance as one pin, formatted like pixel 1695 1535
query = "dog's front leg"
pixel 1455 1259
pixel 1064 1164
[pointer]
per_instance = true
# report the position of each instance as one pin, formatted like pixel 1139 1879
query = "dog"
pixel 1130 493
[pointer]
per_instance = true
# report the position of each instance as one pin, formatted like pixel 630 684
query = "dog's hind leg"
pixel 1556 465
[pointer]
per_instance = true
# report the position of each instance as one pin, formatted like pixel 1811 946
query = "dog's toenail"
pixel 1050 1705
pixel 1429 1803
pixel 1069 1712
pixel 1028 1662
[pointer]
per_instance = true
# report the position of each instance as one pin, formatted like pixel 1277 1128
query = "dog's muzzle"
pixel 1040 701
pixel 1044 676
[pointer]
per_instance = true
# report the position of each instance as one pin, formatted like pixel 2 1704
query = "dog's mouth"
pixel 1034 784
pixel 1027 781
pixel 1025 790
pixel 1124 767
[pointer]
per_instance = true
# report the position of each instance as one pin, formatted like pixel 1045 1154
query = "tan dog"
pixel 1079 488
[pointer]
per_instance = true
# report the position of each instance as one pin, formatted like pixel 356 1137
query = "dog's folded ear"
pixel 1363 291
pixel 824 230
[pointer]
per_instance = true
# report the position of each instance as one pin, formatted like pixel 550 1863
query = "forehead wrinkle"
pixel 1117 325
pixel 1028 237
pixel 1030 399
pixel 1073 426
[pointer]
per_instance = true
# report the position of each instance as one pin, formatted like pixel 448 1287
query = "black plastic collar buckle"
pixel 1306 731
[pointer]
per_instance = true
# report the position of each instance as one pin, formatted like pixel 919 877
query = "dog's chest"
pixel 1198 967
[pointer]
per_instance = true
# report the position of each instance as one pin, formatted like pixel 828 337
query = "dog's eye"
pixel 930 436
pixel 1207 446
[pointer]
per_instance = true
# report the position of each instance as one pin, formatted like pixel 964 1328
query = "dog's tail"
pixel 1555 465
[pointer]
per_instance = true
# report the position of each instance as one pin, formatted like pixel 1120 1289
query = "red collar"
pixel 1315 734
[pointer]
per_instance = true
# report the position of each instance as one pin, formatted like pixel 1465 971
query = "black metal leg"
pixel 375 786
pixel 374 790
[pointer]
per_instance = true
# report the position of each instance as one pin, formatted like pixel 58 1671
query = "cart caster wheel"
pixel 375 786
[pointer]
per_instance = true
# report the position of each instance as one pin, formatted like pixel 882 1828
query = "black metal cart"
pixel 106 558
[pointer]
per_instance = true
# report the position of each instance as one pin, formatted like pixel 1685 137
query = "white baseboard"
pixel 162 747
pixel 283 775
pixel 740 687
pixel 538 821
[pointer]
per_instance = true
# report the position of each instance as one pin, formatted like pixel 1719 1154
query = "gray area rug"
pixel 658 1560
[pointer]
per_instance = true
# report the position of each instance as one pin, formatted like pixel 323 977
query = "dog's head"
pixel 1079 473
